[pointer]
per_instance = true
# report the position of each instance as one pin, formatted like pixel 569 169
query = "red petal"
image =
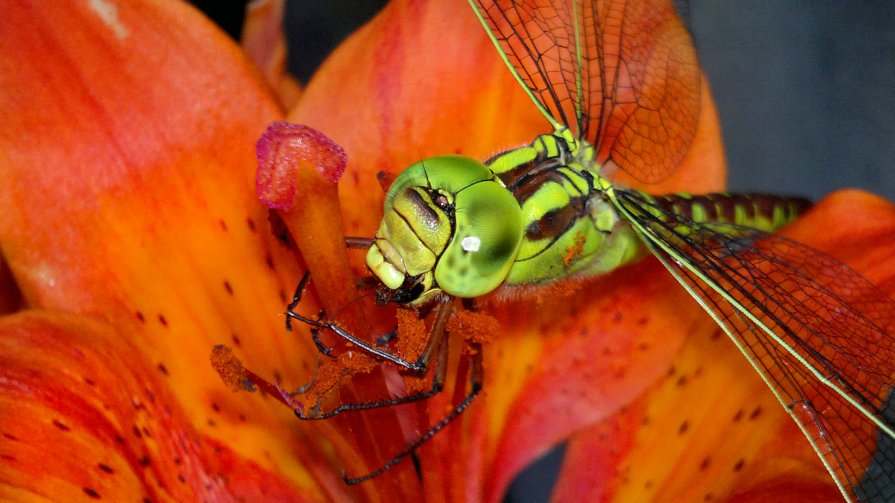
pixel 80 390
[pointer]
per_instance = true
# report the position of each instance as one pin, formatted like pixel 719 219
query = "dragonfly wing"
pixel 814 329
pixel 622 75
pixel 537 42
pixel 839 437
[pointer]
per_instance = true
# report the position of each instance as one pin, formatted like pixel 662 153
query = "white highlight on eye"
pixel 471 244
pixel 108 12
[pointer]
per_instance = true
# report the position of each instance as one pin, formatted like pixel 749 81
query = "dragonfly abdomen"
pixel 758 211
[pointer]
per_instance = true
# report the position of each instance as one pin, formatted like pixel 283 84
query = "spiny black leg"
pixel 315 336
pixel 419 366
pixel 385 338
pixel 296 298
pixel 441 357
pixel 363 346
pixel 476 374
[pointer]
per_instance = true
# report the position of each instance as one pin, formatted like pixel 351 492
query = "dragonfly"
pixel 619 84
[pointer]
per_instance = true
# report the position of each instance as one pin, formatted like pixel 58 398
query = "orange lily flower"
pixel 133 241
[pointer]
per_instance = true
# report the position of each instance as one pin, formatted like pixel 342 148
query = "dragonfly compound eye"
pixel 447 216
pixel 487 237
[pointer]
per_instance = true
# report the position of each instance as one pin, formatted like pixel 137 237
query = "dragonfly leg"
pixel 476 376
pixel 315 336
pixel 441 358
pixel 437 341
pixel 420 365
pixel 296 298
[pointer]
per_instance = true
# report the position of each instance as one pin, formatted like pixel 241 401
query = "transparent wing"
pixel 815 330
pixel 622 75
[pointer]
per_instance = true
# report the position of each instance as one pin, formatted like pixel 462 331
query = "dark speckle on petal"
pixel 755 413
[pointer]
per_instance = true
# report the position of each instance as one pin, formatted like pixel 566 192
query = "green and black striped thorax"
pixel 531 215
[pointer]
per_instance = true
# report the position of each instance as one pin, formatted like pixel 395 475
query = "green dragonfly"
pixel 612 81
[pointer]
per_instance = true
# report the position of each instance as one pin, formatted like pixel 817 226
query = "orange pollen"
pixel 229 367
pixel 412 334
pixel 476 327
pixel 572 252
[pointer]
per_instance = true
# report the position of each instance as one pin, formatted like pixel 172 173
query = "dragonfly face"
pixel 449 226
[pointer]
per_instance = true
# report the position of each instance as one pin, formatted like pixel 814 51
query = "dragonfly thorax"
pixel 570 227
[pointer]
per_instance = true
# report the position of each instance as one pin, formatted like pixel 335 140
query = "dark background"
pixel 805 91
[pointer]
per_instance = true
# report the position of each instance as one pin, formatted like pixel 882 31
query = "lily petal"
pixel 264 41
pixel 136 444
pixel 711 430
pixel 127 159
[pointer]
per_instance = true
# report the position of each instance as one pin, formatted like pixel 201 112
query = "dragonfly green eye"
pixel 448 224
pixel 487 235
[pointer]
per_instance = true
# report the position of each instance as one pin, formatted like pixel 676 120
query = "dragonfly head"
pixel 449 226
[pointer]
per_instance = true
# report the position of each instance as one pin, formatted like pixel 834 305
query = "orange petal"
pixel 80 390
pixel 712 429
pixel 128 163
pixel 264 41
pixel 572 362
